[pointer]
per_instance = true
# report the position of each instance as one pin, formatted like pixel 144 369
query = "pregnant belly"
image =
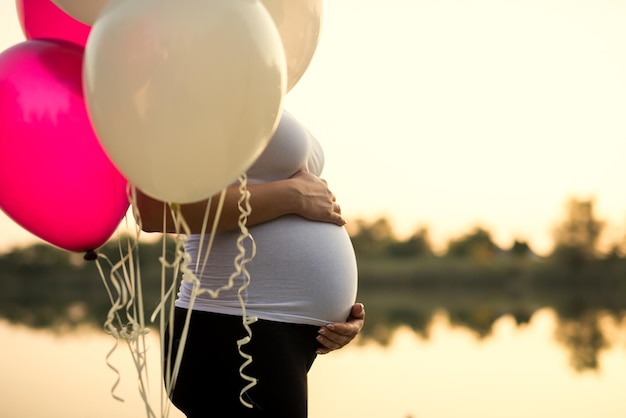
pixel 303 271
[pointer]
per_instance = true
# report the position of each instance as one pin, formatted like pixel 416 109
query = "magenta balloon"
pixel 55 179
pixel 44 19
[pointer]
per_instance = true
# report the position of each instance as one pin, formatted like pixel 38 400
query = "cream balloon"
pixel 85 11
pixel 184 95
pixel 299 23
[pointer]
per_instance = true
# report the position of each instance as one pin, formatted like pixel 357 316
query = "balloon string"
pixel 125 319
pixel 167 297
pixel 124 282
pixel 240 270
pixel 180 263
pixel 166 294
pixel 136 338
pixel 110 318
pixel 127 294
pixel 218 213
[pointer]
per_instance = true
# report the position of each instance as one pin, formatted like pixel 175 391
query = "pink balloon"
pixel 44 19
pixel 55 179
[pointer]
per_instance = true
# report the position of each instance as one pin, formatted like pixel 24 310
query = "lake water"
pixel 515 371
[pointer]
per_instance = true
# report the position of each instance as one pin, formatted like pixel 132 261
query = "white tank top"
pixel 303 272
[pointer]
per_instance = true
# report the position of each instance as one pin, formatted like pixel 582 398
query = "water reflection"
pixel 452 371
pixel 515 371
pixel 578 321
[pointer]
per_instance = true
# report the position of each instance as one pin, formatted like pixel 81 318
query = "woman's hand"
pixel 315 200
pixel 338 334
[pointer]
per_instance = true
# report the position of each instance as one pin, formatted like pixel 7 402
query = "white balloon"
pixel 85 11
pixel 184 95
pixel 299 23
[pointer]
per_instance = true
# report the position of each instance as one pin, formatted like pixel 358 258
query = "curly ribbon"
pixel 125 320
pixel 239 262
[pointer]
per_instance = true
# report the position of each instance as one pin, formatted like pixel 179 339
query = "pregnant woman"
pixel 302 290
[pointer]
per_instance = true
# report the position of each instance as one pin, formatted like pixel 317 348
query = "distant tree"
pixel 615 252
pixel 40 254
pixel 520 249
pixel 417 245
pixel 477 245
pixel 372 238
pixel 576 238
pixel 617 249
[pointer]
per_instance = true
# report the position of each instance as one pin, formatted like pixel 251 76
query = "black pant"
pixel 209 383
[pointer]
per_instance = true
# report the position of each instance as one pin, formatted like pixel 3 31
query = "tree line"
pixel 575 239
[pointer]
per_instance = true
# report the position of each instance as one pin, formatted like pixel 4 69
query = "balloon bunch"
pixel 177 98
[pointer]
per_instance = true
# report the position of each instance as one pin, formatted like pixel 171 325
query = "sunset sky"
pixel 451 114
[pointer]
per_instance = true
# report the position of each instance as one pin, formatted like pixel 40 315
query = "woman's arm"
pixel 304 194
